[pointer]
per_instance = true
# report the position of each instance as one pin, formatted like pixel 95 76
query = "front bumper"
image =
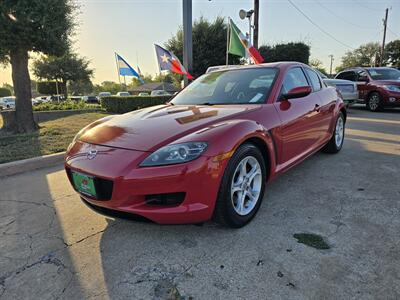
pixel 391 98
pixel 198 179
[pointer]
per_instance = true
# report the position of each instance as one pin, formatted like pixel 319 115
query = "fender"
pixel 225 137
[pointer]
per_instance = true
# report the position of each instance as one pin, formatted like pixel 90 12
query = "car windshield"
pixel 384 74
pixel 229 87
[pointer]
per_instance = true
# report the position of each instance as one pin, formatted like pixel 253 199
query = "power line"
pixel 340 17
pixel 392 32
pixel 319 27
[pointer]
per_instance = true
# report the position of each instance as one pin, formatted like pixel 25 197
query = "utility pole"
pixel 187 37
pixel 330 70
pixel 255 28
pixel 384 36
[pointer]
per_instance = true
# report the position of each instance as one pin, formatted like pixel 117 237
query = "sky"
pixel 131 27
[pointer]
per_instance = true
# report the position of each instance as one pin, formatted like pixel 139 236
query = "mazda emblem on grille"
pixel 91 154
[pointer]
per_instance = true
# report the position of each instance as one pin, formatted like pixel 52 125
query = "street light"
pixel 247 14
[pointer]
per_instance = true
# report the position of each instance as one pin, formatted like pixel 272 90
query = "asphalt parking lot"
pixel 53 246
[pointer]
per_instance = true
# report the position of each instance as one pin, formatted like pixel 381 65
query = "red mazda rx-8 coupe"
pixel 210 152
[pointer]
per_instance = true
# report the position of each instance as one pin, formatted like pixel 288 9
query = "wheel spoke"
pixel 240 203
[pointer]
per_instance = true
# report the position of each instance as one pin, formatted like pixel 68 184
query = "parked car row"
pixel 378 87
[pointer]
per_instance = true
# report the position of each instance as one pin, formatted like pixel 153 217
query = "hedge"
pixel 120 105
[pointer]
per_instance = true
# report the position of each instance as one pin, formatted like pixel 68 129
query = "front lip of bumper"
pixel 199 179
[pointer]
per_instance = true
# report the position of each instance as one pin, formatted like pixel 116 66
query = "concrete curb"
pixel 30 164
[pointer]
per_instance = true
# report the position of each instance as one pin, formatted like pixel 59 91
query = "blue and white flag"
pixel 125 69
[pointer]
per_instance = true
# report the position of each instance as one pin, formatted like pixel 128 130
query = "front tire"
pixel 374 102
pixel 336 142
pixel 242 187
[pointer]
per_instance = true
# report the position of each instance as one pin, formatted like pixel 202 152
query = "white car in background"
pixel 7 102
pixel 159 93
pixel 348 89
pixel 103 94
pixel 123 94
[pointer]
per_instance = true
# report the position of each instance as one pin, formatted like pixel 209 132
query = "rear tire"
pixel 242 187
pixel 374 102
pixel 336 142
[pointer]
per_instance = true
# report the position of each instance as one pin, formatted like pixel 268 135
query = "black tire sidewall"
pixel 231 216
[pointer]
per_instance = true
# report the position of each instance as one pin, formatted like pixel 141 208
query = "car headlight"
pixel 392 88
pixel 175 154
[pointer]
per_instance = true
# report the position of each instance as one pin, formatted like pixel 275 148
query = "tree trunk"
pixel 23 121
pixel 64 82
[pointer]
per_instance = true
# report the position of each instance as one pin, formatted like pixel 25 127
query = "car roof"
pixel 280 65
pixel 364 68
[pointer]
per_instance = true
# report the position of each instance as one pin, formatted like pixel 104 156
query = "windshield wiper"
pixel 207 104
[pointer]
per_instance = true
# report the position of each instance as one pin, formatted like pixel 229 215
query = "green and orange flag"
pixel 239 44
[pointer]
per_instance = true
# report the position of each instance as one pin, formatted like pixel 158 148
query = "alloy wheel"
pixel 246 185
pixel 374 102
pixel 339 132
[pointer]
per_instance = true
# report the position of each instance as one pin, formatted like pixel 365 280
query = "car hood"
pixel 150 128
pixel 386 82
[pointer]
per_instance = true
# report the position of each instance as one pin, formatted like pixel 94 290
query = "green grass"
pixel 53 136
pixel 312 240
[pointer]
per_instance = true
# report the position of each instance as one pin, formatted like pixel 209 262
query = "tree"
pixel 4 92
pixel 293 51
pixel 50 87
pixel 392 54
pixel 80 87
pixel 209 45
pixel 41 26
pixel 65 68
pixel 367 55
pixel 107 86
pixel 317 64
pixel 8 87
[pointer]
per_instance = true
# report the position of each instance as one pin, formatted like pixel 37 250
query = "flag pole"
pixel 116 62
pixel 227 40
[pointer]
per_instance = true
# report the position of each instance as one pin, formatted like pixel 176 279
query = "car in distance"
pixel 210 152
pixel 143 94
pixel 7 102
pixel 123 94
pixel 347 88
pixel 103 94
pixel 90 99
pixel 379 87
pixel 159 93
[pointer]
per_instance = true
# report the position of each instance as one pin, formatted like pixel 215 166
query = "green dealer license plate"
pixel 84 184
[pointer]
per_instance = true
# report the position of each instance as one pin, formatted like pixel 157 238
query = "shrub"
pixel 4 92
pixel 122 105
pixel 65 105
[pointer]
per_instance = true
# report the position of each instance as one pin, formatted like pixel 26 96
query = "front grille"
pixel 345 88
pixel 103 187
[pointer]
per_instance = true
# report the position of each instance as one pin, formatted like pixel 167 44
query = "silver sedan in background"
pixel 347 88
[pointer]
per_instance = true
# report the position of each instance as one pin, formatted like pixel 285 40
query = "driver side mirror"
pixel 297 92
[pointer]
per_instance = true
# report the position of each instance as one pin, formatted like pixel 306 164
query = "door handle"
pixel 317 107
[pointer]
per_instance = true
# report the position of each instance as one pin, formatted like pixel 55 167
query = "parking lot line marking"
pixel 379 147
pixel 374 134
pixel 373 120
